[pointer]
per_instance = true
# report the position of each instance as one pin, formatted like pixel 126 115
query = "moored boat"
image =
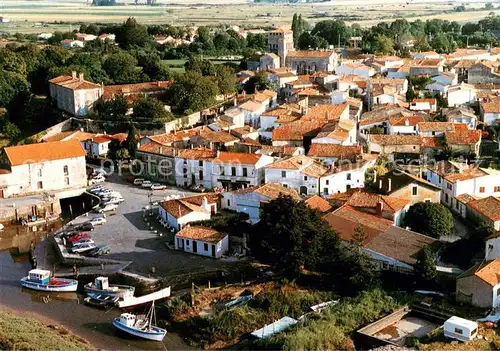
pixel 100 300
pixel 101 286
pixel 141 327
pixel 40 279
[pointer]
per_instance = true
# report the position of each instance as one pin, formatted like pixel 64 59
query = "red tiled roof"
pixel 362 199
pixel 325 112
pixel 201 233
pixel 463 137
pixel 436 126
pixel 318 203
pixel 406 121
pixel 488 207
pixel 196 154
pixel 383 139
pixel 110 91
pixel 334 150
pixel 74 83
pixel 237 158
pixel 296 130
pixel 180 207
pixel 310 53
pixel 43 152
pixel 492 106
pixel 154 148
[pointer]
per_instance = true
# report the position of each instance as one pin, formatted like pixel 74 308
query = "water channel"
pixel 67 309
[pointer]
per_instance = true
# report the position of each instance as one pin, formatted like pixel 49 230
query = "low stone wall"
pixel 9 213
pixel 183 122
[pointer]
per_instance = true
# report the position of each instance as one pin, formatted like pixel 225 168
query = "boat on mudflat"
pixel 141 327
pixel 101 286
pixel 100 300
pixel 40 279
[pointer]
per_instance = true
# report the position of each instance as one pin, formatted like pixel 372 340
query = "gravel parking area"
pixel 131 239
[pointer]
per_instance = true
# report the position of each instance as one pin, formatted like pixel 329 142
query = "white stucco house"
pixel 233 170
pixel 490 112
pixel 249 200
pixel 355 69
pixel 301 173
pixel 252 111
pixel 461 94
pixel 344 177
pixel 38 168
pixel 202 241
pixel 179 212
pixel 404 125
pixel 192 167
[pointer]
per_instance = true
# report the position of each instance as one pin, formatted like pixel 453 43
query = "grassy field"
pixel 178 65
pixel 26 333
pixel 24 14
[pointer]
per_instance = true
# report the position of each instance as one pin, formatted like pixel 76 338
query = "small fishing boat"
pixel 101 286
pixel 40 279
pixel 100 300
pixel 141 327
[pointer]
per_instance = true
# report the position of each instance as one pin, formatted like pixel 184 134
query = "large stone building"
pixel 38 168
pixel 309 61
pixel 74 94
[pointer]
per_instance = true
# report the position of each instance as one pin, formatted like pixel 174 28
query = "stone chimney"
pixel 380 183
pixel 80 76
pixel 390 185
pixel 73 74
pixel 218 153
pixel 327 115
pixel 161 150
pixel 380 208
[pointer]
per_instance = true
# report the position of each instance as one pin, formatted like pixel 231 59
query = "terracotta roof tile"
pixel 270 190
pixel 488 207
pixel 406 121
pixel 489 272
pixel 252 106
pixel 297 130
pixel 325 112
pixel 383 139
pixel 436 126
pixel 432 142
pixel 110 91
pixel 43 152
pixel 310 53
pixel 196 154
pixel 154 148
pixel 334 150
pixel 492 106
pixel 463 137
pixel 362 199
pixel 180 207
pixel 303 164
pixel 73 83
pixel 201 233
pixel 318 203
pixel 237 158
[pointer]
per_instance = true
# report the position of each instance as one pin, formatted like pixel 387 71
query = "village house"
pixel 252 111
pixel 342 132
pixel 282 78
pixel 461 94
pixel 404 125
pixel 305 62
pixel 331 153
pixel 486 210
pixel 39 168
pixel 179 139
pixel 484 72
pixel 232 170
pixel 280 41
pixel 249 200
pixel 99 146
pixel 390 208
pixel 456 179
pixel 427 129
pixel 492 245
pixel 403 185
pixel 202 241
pixel 426 66
pixel 158 162
pixel 234 116
pixel 355 69
pixel 178 213
pixel 424 105
pixel 464 142
pixel 72 43
pixel 318 203
pixel 83 137
pixel 461 115
pixel 74 94
pixel 213 140
pixel 107 36
pixel 192 167
pixel 389 247
pixel 85 37
pixel 480 285
pixel 272 119
pixel 301 173
pixel 383 64
pixel 394 145
pixel 490 111
pixel 426 55
pixel 344 176
pixel 269 62
pixel 135 91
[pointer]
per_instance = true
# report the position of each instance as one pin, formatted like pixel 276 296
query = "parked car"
pixel 96 180
pixel 146 184
pixel 83 248
pixel 97 220
pixel 83 241
pixel 99 250
pixel 157 186
pixel 107 208
pixel 138 181
pixel 85 227
pixel 78 237
pixel 113 201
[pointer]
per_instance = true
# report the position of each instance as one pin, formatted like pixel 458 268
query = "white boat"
pixel 102 286
pixel 136 301
pixel 1 226
pixel 141 327
pixel 39 279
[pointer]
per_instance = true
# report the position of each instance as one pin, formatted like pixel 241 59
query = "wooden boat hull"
pixel 156 334
pixel 62 285
pixel 122 291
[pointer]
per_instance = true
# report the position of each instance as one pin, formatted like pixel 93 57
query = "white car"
pixel 83 241
pixel 98 220
pixel 146 184
pixel 108 208
pixel 157 186
pixel 113 201
pixel 138 181
pixel 96 180
pixel 83 248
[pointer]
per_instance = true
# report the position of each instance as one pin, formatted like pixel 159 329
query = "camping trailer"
pixel 460 329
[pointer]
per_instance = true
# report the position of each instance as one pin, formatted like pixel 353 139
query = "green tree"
pixel 192 91
pixel 382 45
pixel 299 26
pixel 410 93
pixel 225 82
pixel 131 33
pixel 221 41
pixel 332 31
pixel 121 68
pixel 12 62
pixel 203 35
pixel 443 43
pixel 425 266
pixel 150 112
pixel 132 140
pixel 421 44
pixel 122 154
pixel 430 219
pixel 257 41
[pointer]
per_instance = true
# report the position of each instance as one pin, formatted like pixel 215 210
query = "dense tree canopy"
pixel 150 112
pixel 429 218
